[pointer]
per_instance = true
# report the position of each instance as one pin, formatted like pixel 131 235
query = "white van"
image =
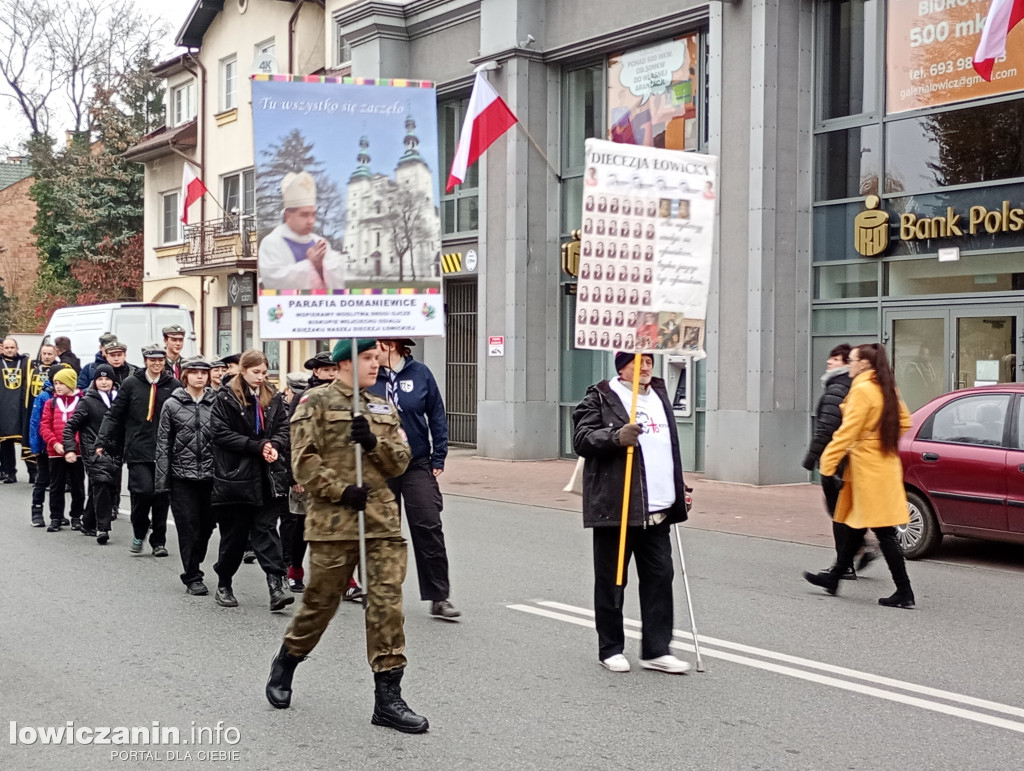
pixel 135 325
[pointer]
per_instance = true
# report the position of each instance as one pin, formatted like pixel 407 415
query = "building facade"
pixel 19 258
pixel 812 106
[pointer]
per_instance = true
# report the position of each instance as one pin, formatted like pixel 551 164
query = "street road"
pixel 794 679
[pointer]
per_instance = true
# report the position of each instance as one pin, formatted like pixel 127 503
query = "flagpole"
pixel 626 487
pixel 539 150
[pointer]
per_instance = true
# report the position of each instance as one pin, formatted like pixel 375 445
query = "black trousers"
pixel 242 522
pixel 98 506
pixel 652 547
pixel 890 547
pixel 42 482
pixel 62 474
pixel 293 539
pixel 8 458
pixel 419 497
pixel 146 502
pixel 830 488
pixel 195 521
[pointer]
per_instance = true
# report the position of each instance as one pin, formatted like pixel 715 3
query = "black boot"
pixel 901 599
pixel 278 598
pixel 390 709
pixel 826 579
pixel 279 684
pixel 890 547
pixel 225 597
pixel 37 517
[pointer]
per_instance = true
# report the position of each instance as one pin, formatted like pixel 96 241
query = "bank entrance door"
pixel 937 350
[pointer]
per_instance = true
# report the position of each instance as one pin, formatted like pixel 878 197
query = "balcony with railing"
pixel 219 246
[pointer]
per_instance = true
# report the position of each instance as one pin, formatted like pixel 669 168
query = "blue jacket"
pixel 36 443
pixel 416 395
pixel 85 376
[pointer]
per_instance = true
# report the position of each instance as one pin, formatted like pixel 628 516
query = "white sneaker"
pixel 616 663
pixel 667 663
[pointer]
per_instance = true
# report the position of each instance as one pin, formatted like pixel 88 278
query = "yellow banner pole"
pixel 629 478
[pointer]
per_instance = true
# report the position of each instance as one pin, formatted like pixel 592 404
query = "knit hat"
pixel 103 370
pixel 343 348
pixel 67 377
pixel 622 358
pixel 298 190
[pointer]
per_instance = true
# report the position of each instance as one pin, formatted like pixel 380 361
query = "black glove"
pixel 809 461
pixel 362 434
pixel 355 497
pixel 629 435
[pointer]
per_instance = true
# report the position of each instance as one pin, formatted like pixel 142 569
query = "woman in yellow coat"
pixel 873 497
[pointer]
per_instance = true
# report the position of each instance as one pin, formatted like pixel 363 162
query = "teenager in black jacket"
pixel 86 422
pixel 251 476
pixel 184 467
pixel 129 430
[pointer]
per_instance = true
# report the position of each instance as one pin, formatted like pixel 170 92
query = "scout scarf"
pixel 66 407
pixel 257 411
pixel 108 396
pixel 151 410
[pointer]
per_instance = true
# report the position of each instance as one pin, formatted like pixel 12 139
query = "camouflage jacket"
pixel 324 462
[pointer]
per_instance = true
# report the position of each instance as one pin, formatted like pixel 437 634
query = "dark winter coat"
pixel 184 439
pixel 126 430
pixel 828 416
pixel 69 358
pixel 596 422
pixel 86 421
pixel 240 474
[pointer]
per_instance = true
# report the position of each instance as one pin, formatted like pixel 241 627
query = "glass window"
pixel 999 273
pixel 229 83
pixel 582 113
pixel 959 147
pixel 247 333
pixel 224 332
pixel 266 47
pixel 344 49
pixel 971 420
pixel 842 282
pixel 847 163
pixel 231 193
pixel 459 208
pixel 847 57
pixel 652 94
pixel 837 321
pixel 183 104
pixel 272 350
pixel 170 226
pixel 248 192
pixel 833 231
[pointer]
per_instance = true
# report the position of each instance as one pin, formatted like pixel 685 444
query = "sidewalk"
pixel 784 512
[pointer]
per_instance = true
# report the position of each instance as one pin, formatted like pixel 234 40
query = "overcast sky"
pixel 13 127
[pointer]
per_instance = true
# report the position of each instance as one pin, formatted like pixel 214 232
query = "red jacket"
pixel 55 417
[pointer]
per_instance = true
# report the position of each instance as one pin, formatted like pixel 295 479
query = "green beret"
pixel 343 348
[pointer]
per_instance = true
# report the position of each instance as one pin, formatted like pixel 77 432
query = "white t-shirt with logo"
pixel 656 443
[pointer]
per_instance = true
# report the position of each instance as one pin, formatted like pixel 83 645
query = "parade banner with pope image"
pixel 348 225
pixel 645 249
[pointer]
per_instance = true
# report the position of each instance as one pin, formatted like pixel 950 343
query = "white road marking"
pixel 585 616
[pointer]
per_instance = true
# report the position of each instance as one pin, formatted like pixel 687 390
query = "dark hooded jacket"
pixel 241 476
pixel 128 429
pixel 828 417
pixel 86 421
pixel 184 439
pixel 596 422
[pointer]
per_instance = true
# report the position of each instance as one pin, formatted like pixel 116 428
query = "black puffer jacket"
pixel 126 429
pixel 184 439
pixel 239 469
pixel 828 416
pixel 86 421
pixel 596 422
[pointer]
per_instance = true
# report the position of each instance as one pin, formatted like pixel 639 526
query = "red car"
pixel 963 468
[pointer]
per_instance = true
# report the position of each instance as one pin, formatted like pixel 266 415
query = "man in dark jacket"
pixel 85 377
pixel 602 432
pixel 410 386
pixel 828 418
pixel 65 354
pixel 129 430
pixel 14 392
pixel 117 353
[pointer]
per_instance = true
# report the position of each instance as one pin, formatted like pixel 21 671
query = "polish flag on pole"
pixel 192 189
pixel 1003 15
pixel 487 118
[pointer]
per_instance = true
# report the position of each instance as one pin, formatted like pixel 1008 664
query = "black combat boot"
pixel 390 709
pixel 37 517
pixel 826 579
pixel 279 685
pixel 278 598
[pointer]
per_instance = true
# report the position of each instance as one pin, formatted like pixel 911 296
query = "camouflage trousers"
pixel 331 566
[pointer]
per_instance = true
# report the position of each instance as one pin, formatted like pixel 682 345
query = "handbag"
pixel 575 485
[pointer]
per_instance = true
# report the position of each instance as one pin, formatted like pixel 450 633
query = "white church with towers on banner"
pixel 392 225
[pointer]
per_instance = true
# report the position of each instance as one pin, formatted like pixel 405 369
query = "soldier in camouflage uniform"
pixel 324 437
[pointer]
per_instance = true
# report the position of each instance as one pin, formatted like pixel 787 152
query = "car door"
pixel 960 460
pixel 1015 471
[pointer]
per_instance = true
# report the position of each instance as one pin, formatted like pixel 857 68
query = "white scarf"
pixel 107 396
pixel 67 408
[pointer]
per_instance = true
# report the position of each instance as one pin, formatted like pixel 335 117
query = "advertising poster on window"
pixel 930 46
pixel 348 229
pixel 645 249
pixel 652 95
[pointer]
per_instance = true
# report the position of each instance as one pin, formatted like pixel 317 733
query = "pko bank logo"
pixel 871 229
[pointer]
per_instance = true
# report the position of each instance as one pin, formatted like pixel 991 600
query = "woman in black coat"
pixel 184 467
pixel 86 421
pixel 251 476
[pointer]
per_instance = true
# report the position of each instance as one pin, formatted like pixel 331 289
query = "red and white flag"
pixel 192 189
pixel 1003 15
pixel 487 118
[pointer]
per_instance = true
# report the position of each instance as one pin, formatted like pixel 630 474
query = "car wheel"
pixel 921 535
